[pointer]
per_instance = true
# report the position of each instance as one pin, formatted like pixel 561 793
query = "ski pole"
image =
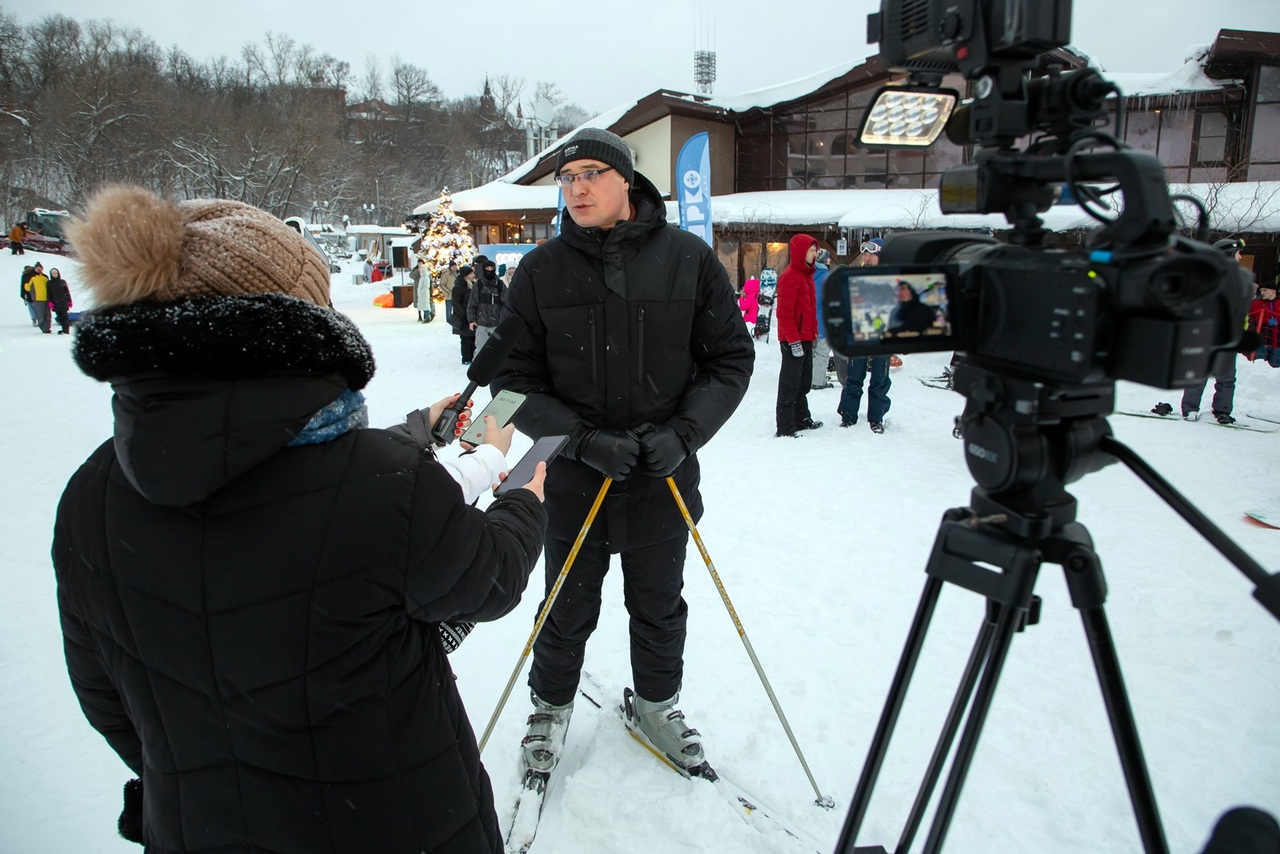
pixel 823 801
pixel 546 609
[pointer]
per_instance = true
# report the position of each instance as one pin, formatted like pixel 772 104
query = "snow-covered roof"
pixel 1247 207
pixel 896 208
pixel 783 92
pixel 377 229
pixel 498 195
pixel 1189 78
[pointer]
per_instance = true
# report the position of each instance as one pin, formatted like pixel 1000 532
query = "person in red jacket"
pixel 1264 319
pixel 797 318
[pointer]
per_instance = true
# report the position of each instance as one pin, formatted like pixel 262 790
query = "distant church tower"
pixel 704 54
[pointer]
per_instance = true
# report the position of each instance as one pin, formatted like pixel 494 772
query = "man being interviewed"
pixel 636 350
pixel 797 329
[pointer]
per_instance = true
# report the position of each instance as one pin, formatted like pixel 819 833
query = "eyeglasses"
pixel 589 177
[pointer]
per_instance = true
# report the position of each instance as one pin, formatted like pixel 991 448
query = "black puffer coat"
pixel 484 303
pixel 633 324
pixel 252 627
pixel 461 296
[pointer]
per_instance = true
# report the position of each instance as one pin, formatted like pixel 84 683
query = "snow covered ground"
pixel 821 543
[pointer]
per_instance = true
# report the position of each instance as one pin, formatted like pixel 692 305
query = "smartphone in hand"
pixel 503 407
pixel 543 451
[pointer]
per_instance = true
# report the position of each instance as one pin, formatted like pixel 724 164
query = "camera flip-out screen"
pixel 877 310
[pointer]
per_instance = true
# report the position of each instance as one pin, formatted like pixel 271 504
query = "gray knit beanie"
pixel 598 144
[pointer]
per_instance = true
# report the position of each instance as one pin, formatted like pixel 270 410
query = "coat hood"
pixel 799 248
pixel 207 388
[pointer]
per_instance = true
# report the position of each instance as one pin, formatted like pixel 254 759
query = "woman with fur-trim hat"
pixel 256 589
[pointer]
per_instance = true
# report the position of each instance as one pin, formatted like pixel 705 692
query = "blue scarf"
pixel 348 412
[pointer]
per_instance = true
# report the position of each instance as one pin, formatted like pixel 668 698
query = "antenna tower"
pixel 704 54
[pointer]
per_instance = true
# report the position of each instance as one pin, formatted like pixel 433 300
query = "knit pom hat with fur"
pixel 135 246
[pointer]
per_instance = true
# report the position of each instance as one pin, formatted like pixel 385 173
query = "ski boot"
pixel 663 725
pixel 1224 418
pixel 1162 409
pixel 1191 415
pixel 542 745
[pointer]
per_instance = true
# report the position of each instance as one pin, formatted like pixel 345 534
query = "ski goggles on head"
pixel 870 248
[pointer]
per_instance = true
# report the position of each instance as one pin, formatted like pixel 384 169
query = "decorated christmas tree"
pixel 447 241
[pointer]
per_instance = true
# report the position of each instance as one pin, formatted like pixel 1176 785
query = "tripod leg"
pixel 1009 619
pixel 889 717
pixel 1125 730
pixel 981 649
pixel 1088 589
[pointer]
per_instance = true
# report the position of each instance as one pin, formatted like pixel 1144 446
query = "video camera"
pixel 1141 302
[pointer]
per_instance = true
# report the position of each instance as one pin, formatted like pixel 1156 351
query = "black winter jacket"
pixel 484 304
pixel 251 626
pixel 633 324
pixel 461 297
pixel 59 293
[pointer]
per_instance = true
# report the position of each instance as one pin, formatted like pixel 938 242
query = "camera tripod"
pixel 1024 441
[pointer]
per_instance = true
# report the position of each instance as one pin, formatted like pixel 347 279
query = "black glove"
pixel 661 449
pixel 130 822
pixel 610 452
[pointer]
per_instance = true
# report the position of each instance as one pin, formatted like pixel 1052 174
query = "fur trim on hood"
pixel 222 337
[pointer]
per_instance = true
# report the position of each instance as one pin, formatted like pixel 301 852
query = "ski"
pixel 1238 425
pixel 936 382
pixel 527 812
pixel 1263 518
pixel 1269 420
pixel 744 804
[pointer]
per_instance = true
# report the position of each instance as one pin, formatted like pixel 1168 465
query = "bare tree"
pixel 410 88
pixel 82 104
pixel 372 78
pixel 1234 206
pixel 282 54
pixel 506 90
pixel 255 66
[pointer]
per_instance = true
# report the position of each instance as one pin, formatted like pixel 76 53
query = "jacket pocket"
pixel 591 328
pixel 640 345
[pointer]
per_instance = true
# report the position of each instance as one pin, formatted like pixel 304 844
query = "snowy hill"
pixel 821 543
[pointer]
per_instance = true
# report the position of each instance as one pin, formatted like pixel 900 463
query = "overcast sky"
pixel 601 55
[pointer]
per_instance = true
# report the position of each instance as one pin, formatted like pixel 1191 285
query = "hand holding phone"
pixel 543 451
pixel 503 407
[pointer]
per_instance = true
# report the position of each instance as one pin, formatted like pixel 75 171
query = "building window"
pixel 815 146
pixel 1211 138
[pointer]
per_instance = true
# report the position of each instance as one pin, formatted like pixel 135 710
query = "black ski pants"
pixel 652 581
pixel 793 388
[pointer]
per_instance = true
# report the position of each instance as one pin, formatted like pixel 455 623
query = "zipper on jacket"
pixel 591 326
pixel 640 347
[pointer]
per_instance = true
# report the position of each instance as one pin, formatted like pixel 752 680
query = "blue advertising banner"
pixel 505 254
pixel 693 174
